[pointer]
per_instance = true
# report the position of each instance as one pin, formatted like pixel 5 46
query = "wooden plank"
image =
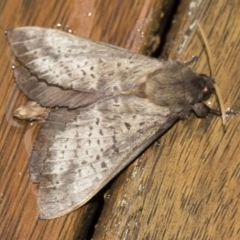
pixel 129 24
pixel 188 187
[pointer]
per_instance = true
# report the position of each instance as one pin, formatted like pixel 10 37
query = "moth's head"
pixel 204 85
pixel 202 88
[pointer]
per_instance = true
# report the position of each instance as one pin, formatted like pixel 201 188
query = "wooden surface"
pixel 186 188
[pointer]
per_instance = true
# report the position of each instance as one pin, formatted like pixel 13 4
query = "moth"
pixel 104 104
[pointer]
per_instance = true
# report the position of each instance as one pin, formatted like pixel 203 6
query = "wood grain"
pixel 188 187
pixel 130 24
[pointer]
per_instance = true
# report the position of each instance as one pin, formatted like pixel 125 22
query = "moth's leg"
pixel 231 112
pixel 203 110
pixel 192 60
pixel 218 113
pixel 215 112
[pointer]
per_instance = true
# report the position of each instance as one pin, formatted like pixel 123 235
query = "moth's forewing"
pixel 76 63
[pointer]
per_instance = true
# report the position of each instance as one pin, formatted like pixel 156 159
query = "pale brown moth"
pixel 106 106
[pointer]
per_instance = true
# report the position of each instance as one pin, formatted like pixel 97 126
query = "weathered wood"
pixel 188 187
pixel 129 24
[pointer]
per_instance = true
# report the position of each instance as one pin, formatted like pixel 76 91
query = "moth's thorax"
pixel 177 86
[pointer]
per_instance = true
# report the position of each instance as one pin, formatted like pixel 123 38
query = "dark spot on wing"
pixel 115 99
pixel 128 125
pixel 114 139
pixel 103 165
pixel 115 149
pixel 75 153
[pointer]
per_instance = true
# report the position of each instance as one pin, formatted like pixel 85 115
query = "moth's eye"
pixel 206 91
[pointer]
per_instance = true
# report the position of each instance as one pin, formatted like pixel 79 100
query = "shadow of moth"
pixel 106 106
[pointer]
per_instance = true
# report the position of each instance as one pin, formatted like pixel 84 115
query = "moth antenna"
pixel 192 60
pixel 219 96
pixel 218 93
